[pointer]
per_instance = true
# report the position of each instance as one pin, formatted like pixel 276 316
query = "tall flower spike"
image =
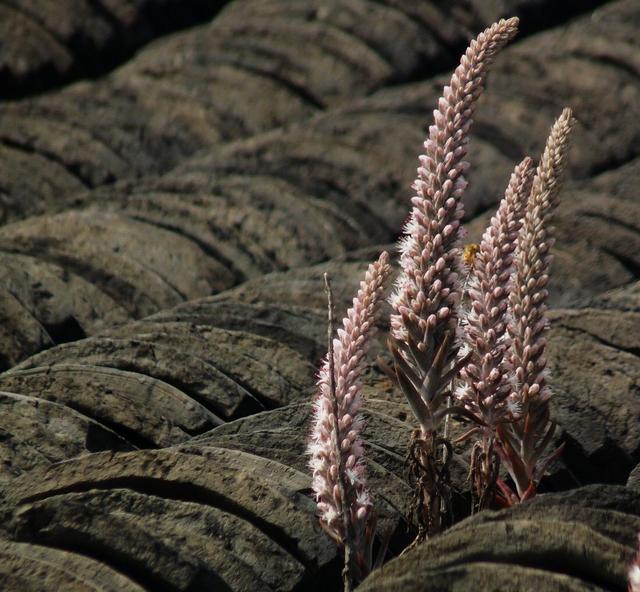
pixel 485 382
pixel 427 294
pixel 485 385
pixel 337 420
pixel 523 442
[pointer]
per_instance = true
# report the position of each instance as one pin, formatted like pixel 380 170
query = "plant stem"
pixel 445 451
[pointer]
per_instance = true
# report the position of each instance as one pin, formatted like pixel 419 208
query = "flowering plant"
pixel 475 351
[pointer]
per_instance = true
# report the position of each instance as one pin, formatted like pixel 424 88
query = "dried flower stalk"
pixel 335 446
pixel 522 443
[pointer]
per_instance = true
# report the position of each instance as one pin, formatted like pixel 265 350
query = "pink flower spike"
pixel 488 289
pixel 522 443
pixel 335 446
pixel 428 288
